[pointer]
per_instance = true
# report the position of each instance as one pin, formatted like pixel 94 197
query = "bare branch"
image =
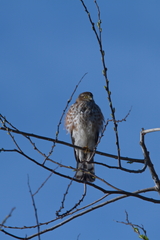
pixel 148 160
pixel 135 194
pixel 69 145
pixel 93 185
pixel 11 235
pixel 150 130
pixel 51 221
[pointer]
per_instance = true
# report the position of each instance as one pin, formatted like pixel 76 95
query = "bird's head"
pixel 86 96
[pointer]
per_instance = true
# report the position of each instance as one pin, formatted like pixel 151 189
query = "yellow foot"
pixel 86 150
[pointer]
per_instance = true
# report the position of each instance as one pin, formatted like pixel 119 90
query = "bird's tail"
pixel 84 169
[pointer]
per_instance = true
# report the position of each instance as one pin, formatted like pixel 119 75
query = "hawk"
pixel 84 121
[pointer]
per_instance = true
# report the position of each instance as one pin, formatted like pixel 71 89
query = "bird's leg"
pixel 87 154
pixel 86 150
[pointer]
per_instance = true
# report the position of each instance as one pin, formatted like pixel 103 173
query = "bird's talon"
pixel 86 150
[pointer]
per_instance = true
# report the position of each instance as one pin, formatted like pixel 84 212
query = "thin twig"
pixel 78 236
pixel 122 168
pixel 35 209
pixel 75 206
pixel 6 218
pixel 42 184
pixel 135 227
pixel 63 113
pixel 102 52
pixel 64 198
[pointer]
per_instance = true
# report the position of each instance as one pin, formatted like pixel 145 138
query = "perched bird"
pixel 84 121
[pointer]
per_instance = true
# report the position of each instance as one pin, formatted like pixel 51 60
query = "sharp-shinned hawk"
pixel 84 121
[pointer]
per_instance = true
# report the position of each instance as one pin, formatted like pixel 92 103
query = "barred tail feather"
pixel 85 167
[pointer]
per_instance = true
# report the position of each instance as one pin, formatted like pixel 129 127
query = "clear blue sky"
pixel 46 47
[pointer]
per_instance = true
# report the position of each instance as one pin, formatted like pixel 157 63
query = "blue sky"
pixel 46 47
